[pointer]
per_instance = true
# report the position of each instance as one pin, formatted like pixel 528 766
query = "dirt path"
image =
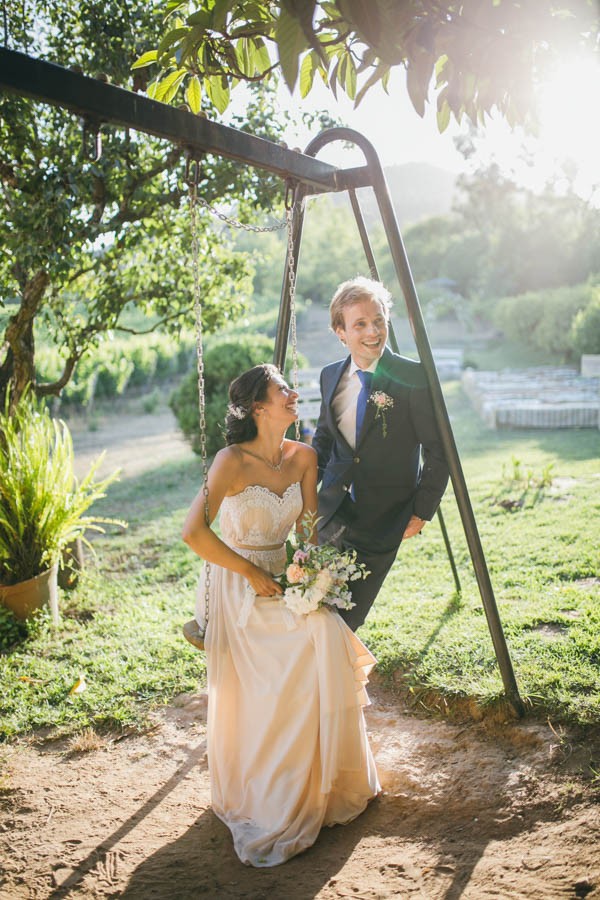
pixel 468 811
pixel 496 810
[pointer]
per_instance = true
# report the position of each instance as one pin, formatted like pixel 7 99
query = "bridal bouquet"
pixel 318 576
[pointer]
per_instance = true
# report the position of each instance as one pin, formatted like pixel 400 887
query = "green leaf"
pixel 350 82
pixel 385 78
pixel 367 60
pixel 418 77
pixel 373 78
pixel 200 19
pixel 193 94
pixel 245 55
pixel 153 87
pixel 443 116
pixel 262 57
pixel 440 64
pixel 217 90
pixel 167 87
pixel 170 38
pixel 333 79
pixel 365 16
pixel 307 74
pixel 290 42
pixel 416 91
pixel 219 12
pixel 145 59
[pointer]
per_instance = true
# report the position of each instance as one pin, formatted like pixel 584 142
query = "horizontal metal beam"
pixel 87 96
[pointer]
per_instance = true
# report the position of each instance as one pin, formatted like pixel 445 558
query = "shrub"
pixel 116 365
pixel 543 319
pixel 225 358
pixel 585 328
pixel 12 631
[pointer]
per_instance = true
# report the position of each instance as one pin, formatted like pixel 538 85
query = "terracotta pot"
pixel 24 598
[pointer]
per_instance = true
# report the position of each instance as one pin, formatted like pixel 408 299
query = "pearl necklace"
pixel 276 467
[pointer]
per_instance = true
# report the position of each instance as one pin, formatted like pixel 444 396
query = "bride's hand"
pixel 263 584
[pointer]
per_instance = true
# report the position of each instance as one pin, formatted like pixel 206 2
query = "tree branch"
pixel 81 272
pixel 55 387
pixel 99 200
pixel 163 321
pixel 8 175
pixel 126 214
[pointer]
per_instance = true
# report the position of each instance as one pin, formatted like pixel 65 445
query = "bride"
pixel 287 744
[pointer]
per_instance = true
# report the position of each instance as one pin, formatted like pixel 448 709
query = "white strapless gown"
pixel 287 744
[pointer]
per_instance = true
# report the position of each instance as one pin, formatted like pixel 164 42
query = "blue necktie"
pixel 363 398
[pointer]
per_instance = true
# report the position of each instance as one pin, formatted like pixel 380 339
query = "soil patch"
pixel 468 810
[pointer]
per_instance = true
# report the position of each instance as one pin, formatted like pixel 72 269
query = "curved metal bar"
pixel 400 259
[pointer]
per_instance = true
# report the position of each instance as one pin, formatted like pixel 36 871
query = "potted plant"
pixel 43 506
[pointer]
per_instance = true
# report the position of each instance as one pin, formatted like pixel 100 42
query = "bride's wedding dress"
pixel 287 744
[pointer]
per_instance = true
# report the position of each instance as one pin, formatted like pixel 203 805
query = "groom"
pixel 376 421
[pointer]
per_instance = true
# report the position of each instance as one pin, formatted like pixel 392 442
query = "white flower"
pixel 381 401
pixel 326 573
pixel 324 581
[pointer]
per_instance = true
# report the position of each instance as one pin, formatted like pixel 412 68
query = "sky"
pixel 568 105
pixel 389 121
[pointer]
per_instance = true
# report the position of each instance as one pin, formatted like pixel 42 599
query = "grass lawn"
pixel 120 629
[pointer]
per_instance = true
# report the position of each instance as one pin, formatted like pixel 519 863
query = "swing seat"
pixel 193 634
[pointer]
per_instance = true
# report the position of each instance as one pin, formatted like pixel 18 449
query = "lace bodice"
pixel 258 517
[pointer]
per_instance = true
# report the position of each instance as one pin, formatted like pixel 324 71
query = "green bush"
pixel 12 631
pixel 585 328
pixel 116 365
pixel 543 319
pixel 225 358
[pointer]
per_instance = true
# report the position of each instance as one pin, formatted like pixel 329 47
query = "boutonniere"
pixel 382 402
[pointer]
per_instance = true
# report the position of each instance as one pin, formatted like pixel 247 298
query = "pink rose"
pixel 294 573
pixel 300 556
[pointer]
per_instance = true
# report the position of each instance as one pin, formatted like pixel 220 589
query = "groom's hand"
pixel 414 526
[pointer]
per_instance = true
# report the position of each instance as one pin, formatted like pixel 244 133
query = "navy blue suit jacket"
pixel 390 484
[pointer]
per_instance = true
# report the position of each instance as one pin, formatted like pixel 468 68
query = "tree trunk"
pixel 18 367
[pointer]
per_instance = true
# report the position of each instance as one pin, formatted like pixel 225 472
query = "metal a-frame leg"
pixel 364 236
pixel 372 175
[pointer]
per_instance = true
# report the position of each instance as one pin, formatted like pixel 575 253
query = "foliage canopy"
pixel 86 240
pixel 480 54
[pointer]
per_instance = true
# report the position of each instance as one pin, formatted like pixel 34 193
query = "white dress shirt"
pixel 345 399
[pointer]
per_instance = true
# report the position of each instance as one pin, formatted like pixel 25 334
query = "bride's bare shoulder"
pixel 228 461
pixel 303 453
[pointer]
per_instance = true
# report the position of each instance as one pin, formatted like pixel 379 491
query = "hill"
pixel 418 190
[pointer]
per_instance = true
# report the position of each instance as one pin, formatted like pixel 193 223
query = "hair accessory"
pixel 238 412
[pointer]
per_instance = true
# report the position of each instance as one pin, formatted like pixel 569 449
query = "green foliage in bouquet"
pixel 43 506
pixel 317 576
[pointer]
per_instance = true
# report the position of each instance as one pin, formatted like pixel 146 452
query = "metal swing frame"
pixel 100 103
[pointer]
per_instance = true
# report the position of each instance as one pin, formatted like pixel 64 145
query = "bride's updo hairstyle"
pixel 248 388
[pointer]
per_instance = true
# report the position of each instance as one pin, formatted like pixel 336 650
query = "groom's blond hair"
pixel 353 291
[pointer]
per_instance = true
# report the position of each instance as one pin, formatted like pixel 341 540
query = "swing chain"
pixel 91 139
pixel 192 178
pixel 291 268
pixel 193 196
pixel 257 229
